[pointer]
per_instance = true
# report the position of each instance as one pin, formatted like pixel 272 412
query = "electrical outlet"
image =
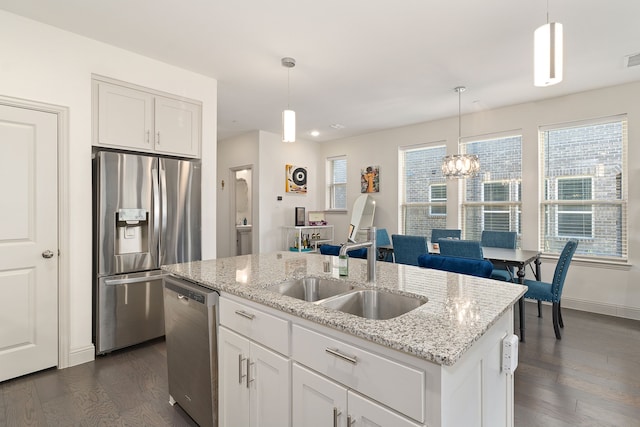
pixel 510 354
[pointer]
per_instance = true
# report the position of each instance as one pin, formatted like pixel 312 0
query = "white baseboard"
pixel 602 308
pixel 78 356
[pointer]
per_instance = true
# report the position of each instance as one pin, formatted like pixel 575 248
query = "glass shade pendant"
pixel 460 165
pixel 547 42
pixel 288 115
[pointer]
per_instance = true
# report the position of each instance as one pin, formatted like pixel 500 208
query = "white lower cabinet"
pixel 280 370
pixel 320 402
pixel 254 383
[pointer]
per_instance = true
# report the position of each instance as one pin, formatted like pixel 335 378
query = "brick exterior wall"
pixel 594 151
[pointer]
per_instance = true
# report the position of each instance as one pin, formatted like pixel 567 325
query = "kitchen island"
pixel 437 365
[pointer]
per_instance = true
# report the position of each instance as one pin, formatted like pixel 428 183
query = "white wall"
pixel 268 155
pixel 274 155
pixel 240 151
pixel 598 287
pixel 44 64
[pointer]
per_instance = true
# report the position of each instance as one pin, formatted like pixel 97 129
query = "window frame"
pixel 438 202
pixel 513 203
pixel 330 197
pixel 616 198
pixel 568 202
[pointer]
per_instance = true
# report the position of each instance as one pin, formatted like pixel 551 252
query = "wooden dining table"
pixel 518 258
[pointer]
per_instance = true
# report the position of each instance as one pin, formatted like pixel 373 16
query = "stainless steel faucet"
pixel 371 252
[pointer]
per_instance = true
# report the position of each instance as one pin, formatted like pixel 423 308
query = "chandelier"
pixel 460 165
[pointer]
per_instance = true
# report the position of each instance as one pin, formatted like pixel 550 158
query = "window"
pixel 423 193
pixel 499 217
pixel 574 221
pixel 583 166
pixel 492 200
pixel 438 194
pixel 337 183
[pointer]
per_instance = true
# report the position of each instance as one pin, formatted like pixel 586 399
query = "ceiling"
pixel 364 64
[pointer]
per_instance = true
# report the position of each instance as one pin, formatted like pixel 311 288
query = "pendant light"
pixel 460 165
pixel 288 115
pixel 547 53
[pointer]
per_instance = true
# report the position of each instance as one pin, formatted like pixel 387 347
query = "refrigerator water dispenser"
pixel 132 231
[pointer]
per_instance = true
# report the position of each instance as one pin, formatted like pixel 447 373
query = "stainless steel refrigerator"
pixel 146 214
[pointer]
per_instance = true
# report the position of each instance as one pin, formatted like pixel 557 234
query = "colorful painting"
pixel 370 179
pixel 295 179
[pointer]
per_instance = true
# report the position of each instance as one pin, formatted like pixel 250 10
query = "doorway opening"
pixel 242 212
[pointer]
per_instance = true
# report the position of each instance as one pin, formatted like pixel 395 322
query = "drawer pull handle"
pixel 350 421
pixel 336 414
pixel 245 314
pixel 350 359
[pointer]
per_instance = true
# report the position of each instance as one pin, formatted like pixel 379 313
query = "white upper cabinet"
pixel 133 119
pixel 177 127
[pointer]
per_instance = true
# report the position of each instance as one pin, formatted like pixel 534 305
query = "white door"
pixel 28 241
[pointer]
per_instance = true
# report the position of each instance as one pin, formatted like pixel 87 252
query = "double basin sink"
pixel 344 297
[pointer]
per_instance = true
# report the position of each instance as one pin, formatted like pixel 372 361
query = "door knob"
pixel 47 254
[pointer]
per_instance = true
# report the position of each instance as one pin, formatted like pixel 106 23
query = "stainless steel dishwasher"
pixel 191 329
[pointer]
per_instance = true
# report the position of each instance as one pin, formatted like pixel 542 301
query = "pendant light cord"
pixel 459 115
pixel 288 88
pixel 547 11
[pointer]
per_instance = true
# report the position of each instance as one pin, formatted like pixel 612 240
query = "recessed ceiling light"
pixel 337 126
pixel 314 133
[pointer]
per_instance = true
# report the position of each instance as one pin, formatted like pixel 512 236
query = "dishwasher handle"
pixel 191 291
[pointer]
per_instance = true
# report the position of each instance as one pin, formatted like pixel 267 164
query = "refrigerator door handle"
pixel 156 213
pixel 115 282
pixel 163 210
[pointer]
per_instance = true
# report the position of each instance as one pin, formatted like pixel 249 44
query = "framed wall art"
pixel 370 179
pixel 295 179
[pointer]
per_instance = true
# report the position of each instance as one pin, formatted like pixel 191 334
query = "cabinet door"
pixel 177 126
pixel 125 117
pixel 366 413
pixel 317 399
pixel 270 379
pixel 233 397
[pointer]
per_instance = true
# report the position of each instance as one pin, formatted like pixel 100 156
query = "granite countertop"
pixel 460 309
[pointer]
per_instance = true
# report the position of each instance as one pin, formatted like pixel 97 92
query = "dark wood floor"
pixel 125 388
pixel 589 378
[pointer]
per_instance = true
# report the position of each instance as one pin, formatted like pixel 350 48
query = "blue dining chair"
pixel 500 239
pixel 407 249
pixel 444 233
pixel 335 250
pixel 461 248
pixel 473 267
pixel 552 292
pixel 382 239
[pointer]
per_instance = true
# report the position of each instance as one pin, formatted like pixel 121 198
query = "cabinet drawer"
pixel 398 386
pixel 264 328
